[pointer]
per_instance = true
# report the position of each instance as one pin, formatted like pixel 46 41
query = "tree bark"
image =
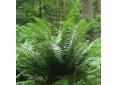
pixel 63 8
pixel 40 9
pixel 99 4
pixel 87 9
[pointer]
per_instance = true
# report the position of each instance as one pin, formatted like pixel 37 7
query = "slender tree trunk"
pixel 58 13
pixel 57 3
pixel 99 4
pixel 63 8
pixel 40 9
pixel 87 9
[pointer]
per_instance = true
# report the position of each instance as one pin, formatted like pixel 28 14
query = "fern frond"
pixel 57 52
pixel 27 82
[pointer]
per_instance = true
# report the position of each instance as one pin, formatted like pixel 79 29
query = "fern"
pixel 52 57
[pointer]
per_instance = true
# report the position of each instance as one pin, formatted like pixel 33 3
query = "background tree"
pixel 99 4
pixel 87 9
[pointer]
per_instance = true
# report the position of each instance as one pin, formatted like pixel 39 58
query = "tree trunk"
pixel 63 8
pixel 40 9
pixel 99 4
pixel 87 9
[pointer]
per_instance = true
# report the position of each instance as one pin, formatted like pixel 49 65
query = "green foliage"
pixel 28 82
pixel 42 54
pixel 69 56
